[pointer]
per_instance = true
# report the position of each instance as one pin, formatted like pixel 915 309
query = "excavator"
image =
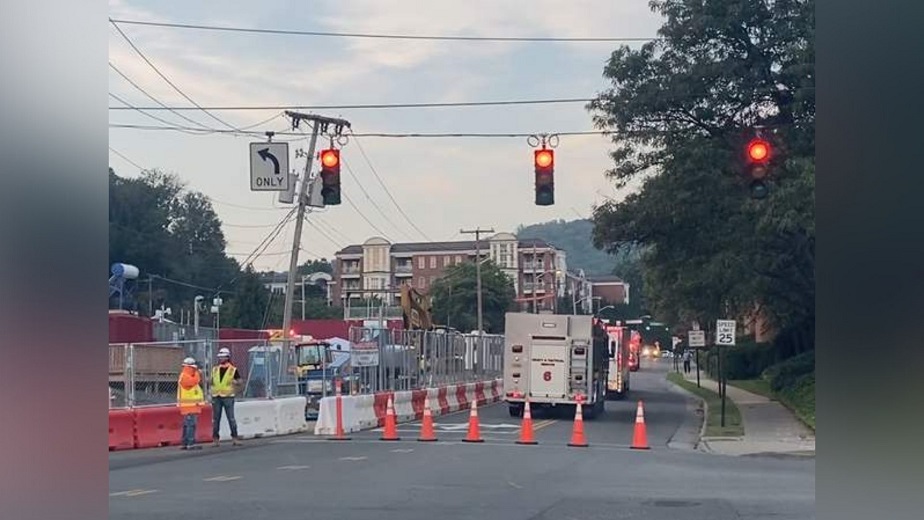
pixel 416 309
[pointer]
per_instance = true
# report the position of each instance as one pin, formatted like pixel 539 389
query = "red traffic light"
pixel 330 158
pixel 544 158
pixel 758 151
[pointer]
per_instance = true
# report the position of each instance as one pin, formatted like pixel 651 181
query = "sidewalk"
pixel 769 427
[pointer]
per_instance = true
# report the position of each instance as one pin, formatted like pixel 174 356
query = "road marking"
pixel 293 467
pixel 542 424
pixel 353 458
pixel 514 484
pixel 403 450
pixel 222 478
pixel 133 493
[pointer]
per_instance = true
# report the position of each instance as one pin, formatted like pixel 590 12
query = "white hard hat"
pixel 224 352
pixel 189 362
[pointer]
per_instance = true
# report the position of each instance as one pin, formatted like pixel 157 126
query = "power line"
pixel 388 192
pixel 548 39
pixel 382 134
pixel 325 234
pixel 363 106
pixel 372 201
pixel 154 99
pixel 363 215
pixel 129 161
pixel 166 79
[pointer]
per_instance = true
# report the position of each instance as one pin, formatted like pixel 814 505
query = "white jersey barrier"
pixel 255 419
pixel 290 415
pixel 368 411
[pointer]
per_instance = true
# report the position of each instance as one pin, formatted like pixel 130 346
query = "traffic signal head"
pixel 758 153
pixel 330 176
pixel 544 162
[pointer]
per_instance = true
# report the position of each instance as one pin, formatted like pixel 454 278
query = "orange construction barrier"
pixel 577 435
pixel 526 431
pixel 426 425
pixel 640 436
pixel 391 425
pixel 121 430
pixel 474 428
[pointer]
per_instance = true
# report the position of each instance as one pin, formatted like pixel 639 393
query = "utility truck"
pixel 555 360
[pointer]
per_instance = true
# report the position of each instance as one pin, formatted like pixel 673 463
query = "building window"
pixel 447 261
pixel 420 262
pixel 432 262
pixel 458 259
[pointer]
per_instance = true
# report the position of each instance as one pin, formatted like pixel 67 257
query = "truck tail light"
pixel 517 349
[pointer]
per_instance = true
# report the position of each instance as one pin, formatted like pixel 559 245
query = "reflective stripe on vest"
pixel 190 399
pixel 221 386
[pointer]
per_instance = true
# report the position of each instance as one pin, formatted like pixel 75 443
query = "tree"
pixel 678 108
pixel 316 266
pixel 455 297
pixel 249 308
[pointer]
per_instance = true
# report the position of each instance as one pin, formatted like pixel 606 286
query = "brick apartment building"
pixel 378 268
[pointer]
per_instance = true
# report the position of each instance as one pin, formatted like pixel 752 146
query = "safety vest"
pixel 190 399
pixel 221 386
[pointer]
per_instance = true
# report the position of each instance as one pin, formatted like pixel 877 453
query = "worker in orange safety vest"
pixel 190 399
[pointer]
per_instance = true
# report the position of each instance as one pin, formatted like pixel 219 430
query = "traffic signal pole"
pixel 319 124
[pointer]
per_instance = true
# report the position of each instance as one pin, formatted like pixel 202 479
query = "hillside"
pixel 575 237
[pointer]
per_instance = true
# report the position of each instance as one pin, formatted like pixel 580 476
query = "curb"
pixel 699 444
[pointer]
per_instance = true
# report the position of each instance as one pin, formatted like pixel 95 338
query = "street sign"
pixel 269 167
pixel 725 332
pixel 696 338
pixel 364 354
pixel 315 200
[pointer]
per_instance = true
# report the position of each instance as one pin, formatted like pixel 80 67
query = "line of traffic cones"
pixel 527 435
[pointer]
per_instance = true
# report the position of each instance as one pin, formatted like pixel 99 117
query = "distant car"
pixel 651 351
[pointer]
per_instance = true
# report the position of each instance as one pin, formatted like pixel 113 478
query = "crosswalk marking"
pixel 403 450
pixel 293 467
pixel 353 458
pixel 133 493
pixel 222 478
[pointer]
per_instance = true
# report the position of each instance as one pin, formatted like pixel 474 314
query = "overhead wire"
pixel 364 217
pixel 372 201
pixel 362 152
pixel 376 106
pixel 154 99
pixel 550 39
pixel 392 134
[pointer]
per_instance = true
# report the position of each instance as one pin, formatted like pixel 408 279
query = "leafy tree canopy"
pixel 679 109
pixel 455 300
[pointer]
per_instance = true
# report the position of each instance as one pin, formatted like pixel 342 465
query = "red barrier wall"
pixel 121 430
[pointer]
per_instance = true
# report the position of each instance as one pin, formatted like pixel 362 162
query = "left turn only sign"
pixel 269 167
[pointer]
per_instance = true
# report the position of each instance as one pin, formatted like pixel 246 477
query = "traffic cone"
pixel 474 429
pixel 391 425
pixel 640 436
pixel 577 435
pixel 526 431
pixel 426 425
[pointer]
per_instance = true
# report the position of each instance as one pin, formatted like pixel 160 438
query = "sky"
pixel 442 185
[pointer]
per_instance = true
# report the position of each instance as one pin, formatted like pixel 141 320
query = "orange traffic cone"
pixel 526 431
pixel 391 425
pixel 426 426
pixel 577 435
pixel 640 437
pixel 474 429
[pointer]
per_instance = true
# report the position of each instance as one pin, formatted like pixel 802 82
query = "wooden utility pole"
pixel 477 232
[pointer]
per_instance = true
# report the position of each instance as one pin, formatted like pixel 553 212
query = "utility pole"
pixel 477 232
pixel 319 124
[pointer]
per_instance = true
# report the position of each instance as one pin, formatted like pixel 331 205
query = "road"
pixel 364 478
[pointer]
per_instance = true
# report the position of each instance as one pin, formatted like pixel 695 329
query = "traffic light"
pixel 544 161
pixel 758 153
pixel 330 176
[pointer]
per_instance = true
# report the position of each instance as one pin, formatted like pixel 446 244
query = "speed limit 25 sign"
pixel 725 332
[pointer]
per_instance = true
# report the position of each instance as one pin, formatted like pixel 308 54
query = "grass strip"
pixel 733 426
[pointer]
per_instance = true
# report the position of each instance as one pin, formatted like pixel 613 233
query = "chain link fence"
pixel 146 374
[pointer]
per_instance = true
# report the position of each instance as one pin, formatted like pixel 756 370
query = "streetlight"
pixel 197 303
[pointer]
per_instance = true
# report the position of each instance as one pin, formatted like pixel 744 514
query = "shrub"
pixel 788 373
pixel 743 361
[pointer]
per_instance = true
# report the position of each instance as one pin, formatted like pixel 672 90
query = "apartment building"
pixel 378 267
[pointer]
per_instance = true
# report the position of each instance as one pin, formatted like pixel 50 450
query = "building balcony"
pixel 533 287
pixel 372 312
pixel 533 267
pixel 404 270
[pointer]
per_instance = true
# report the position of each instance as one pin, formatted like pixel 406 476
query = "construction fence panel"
pixel 416 359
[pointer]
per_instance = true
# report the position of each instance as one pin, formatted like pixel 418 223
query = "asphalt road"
pixel 364 478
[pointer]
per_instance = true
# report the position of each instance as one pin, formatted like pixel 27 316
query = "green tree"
pixel 678 108
pixel 250 307
pixel 455 297
pixel 316 266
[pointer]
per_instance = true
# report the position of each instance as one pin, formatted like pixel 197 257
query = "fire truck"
pixel 555 360
pixel 617 383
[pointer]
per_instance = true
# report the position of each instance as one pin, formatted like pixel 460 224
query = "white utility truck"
pixel 555 360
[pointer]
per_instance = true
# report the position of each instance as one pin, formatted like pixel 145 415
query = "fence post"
pixel 129 373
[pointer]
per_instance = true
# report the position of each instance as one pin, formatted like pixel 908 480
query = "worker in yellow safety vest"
pixel 190 399
pixel 225 381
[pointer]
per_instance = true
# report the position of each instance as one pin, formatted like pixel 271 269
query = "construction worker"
pixel 190 398
pixel 225 381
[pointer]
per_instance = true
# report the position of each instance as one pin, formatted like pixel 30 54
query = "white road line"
pixel 133 493
pixel 403 450
pixel 293 467
pixel 353 458
pixel 222 478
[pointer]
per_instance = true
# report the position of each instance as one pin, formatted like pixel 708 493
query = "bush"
pixel 743 361
pixel 800 398
pixel 786 375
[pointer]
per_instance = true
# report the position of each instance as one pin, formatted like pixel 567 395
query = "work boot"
pixel 216 443
pixel 236 442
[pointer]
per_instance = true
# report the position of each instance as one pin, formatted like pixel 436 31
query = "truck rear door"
pixel 548 368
